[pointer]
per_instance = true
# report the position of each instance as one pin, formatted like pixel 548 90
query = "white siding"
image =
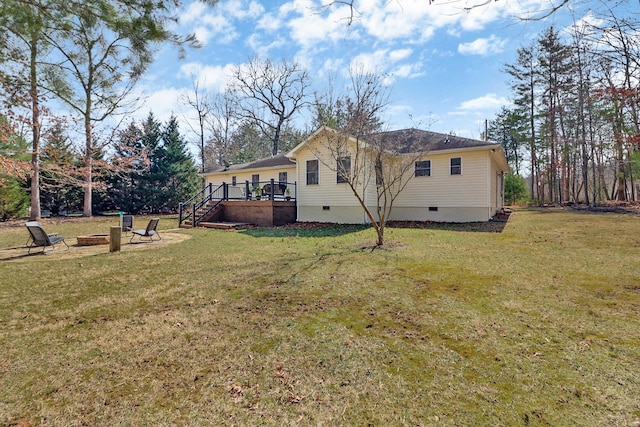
pixel 470 189
pixel 326 201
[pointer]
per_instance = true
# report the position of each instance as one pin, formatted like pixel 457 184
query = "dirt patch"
pixel 60 251
pixel 610 206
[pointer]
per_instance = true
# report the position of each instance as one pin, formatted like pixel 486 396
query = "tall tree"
pixel 78 30
pixel 130 163
pixel 555 74
pixel 509 129
pixel 270 94
pixel 199 100
pixel 361 154
pixel 525 87
pixel 61 178
pixel 223 123
pixel 24 25
pixel 181 176
pixel 14 167
pixel 103 57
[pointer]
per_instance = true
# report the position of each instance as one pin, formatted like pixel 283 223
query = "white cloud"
pixel 308 27
pixel 194 11
pixel 384 61
pixel 210 77
pixel 269 22
pixel 163 103
pixel 399 54
pixel 483 46
pixel 219 21
pixel 490 101
pixel 261 45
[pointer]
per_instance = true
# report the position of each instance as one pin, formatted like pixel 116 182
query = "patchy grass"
pixel 534 325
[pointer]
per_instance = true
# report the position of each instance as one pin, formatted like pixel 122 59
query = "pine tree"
pixel 181 174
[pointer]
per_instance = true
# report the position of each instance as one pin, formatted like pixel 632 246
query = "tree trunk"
pixel 88 164
pixel 35 125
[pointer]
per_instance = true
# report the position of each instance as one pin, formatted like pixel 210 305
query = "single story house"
pixel 448 179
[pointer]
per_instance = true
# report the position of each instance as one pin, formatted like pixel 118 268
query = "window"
pixel 233 181
pixel 282 178
pixel 456 165
pixel 423 168
pixel 255 180
pixel 312 172
pixel 344 169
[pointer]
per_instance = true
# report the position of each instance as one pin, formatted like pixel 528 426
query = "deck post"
pixel 210 191
pixel 180 207
pixel 193 217
pixel 225 191
pixel 248 194
pixel 273 190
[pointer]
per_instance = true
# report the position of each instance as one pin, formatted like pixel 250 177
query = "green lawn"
pixel 536 325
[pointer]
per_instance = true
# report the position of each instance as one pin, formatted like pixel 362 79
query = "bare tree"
pixel 222 123
pixel 352 13
pixel 270 94
pixel 200 101
pixel 362 155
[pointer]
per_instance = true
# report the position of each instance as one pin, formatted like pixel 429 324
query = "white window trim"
pixel 455 174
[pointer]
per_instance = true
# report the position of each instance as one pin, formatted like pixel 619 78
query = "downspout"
pixel 490 184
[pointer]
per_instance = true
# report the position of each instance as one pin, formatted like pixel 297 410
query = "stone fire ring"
pixel 93 240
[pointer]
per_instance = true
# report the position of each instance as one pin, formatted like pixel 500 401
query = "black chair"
pixel 40 238
pixel 149 232
pixel 127 223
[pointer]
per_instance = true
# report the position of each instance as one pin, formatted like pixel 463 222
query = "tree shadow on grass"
pixel 314 229
pixel 305 229
pixel 473 227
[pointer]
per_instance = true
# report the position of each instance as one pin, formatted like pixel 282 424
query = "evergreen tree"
pixel 525 85
pixel 248 143
pixel 515 189
pixel 129 165
pixel 509 129
pixel 181 179
pixel 14 199
pixel 61 176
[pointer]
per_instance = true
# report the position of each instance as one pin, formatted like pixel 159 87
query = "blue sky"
pixel 444 61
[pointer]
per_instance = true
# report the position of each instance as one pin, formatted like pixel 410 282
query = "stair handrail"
pixel 197 201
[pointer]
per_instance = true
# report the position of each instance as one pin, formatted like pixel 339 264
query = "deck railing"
pixel 199 205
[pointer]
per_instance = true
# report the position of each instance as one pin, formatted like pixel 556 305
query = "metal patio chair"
pixel 149 232
pixel 40 238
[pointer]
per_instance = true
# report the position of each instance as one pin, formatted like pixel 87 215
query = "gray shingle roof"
pixel 407 141
pixel 275 161
pixel 413 140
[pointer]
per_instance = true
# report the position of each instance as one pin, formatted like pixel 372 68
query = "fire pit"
pixel 93 239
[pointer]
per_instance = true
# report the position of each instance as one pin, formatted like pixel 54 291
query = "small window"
pixel 282 178
pixel 423 168
pixel 233 181
pixel 456 165
pixel 344 169
pixel 255 180
pixel 312 172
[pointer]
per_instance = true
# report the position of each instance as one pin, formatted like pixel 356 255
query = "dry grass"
pixel 536 325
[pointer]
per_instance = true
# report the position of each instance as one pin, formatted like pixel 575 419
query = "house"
pixel 453 179
pixel 446 178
